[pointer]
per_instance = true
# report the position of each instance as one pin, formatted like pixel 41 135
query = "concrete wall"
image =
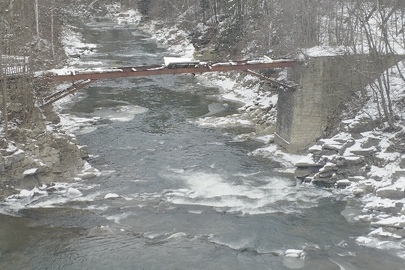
pixel 324 84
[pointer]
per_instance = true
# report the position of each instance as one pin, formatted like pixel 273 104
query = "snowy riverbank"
pixel 372 159
pixel 45 165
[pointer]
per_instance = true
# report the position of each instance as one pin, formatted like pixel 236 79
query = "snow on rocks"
pixel 51 195
pixel 111 196
pixel 307 161
pixel 12 157
pixel 294 258
pixel 330 161
pixel 87 172
pixel 73 193
pixel 369 163
pixel 73 45
pixel 35 157
pixel 31 171
pixel 365 165
pixel 395 191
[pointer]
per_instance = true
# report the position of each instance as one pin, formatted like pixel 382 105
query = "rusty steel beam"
pixel 163 70
pixel 65 92
pixel 271 80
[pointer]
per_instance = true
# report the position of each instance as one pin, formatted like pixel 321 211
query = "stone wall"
pixel 285 116
pixel 325 84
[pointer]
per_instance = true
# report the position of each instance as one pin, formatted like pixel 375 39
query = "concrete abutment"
pixel 324 85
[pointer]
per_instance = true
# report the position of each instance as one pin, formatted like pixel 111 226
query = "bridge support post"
pixel 325 85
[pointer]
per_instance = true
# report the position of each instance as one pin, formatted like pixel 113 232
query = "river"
pixel 172 194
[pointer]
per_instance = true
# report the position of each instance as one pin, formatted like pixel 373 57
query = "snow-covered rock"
pixel 31 171
pixel 395 222
pixel 343 183
pixel 391 192
pixel 307 161
pixel 111 196
pixel 294 258
pixel 73 193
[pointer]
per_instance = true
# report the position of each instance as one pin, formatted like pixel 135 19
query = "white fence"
pixel 14 65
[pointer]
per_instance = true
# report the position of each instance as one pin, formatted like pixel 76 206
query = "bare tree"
pixel 377 21
pixel 37 17
pixel 3 77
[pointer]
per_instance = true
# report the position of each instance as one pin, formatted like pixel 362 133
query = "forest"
pixel 286 28
pixel 236 28
pixel 233 29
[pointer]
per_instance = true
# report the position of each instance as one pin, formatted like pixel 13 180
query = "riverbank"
pixel 40 149
pixel 367 160
pixel 40 156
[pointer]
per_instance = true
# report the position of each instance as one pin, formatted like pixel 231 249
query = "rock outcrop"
pixel 35 151
pixel 370 163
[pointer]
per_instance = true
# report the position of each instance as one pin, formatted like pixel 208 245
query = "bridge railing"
pixel 14 65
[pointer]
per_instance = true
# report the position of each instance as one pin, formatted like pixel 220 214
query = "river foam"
pixel 46 196
pixel 244 196
pixel 119 113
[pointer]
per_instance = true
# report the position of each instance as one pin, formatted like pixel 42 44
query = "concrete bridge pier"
pixel 325 84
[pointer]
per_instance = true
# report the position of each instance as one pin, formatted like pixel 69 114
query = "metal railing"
pixel 14 65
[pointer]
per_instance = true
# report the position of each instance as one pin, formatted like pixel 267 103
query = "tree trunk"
pixel 37 17
pixel 52 29
pixel 4 92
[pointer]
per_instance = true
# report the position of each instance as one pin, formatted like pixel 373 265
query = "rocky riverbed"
pixel 366 159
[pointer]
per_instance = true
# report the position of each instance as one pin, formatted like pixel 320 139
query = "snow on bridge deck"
pixel 83 77
pixel 171 67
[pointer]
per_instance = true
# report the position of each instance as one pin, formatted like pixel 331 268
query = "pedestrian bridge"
pixel 172 66
pixel 305 111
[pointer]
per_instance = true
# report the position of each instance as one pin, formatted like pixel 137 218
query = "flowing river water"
pixel 174 195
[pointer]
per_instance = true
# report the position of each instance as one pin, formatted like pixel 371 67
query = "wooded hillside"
pixel 279 28
pixel 234 28
pixel 241 27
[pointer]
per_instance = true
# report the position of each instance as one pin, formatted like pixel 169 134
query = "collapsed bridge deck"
pixel 172 66
pixel 171 69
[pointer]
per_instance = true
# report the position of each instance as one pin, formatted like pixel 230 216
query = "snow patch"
pixel 30 171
